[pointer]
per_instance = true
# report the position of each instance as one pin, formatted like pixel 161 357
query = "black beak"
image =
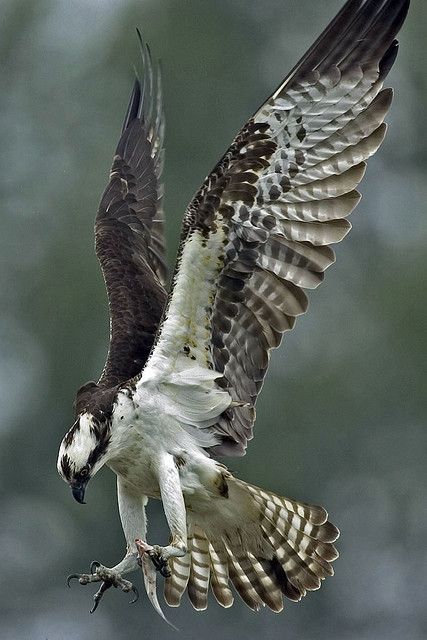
pixel 78 490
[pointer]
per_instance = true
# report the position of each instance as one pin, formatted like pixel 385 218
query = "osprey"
pixel 184 368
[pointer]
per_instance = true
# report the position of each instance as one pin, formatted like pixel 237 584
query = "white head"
pixel 83 451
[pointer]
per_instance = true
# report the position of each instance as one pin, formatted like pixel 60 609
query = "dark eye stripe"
pixel 70 435
pixel 99 450
pixel 66 467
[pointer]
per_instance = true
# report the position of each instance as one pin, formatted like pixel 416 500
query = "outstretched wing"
pixel 259 230
pixel 129 232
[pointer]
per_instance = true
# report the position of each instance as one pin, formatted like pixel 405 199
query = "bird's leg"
pixel 132 514
pixel 174 508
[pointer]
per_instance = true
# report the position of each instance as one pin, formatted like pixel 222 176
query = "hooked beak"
pixel 78 491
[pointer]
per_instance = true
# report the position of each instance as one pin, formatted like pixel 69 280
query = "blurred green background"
pixel 341 420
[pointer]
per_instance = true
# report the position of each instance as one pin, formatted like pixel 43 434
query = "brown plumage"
pixel 281 195
pixel 129 242
pixel 129 232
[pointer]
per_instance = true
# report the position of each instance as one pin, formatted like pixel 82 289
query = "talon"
pixel 94 566
pixel 135 591
pixel 160 563
pixel 71 577
pixel 107 577
pixel 98 595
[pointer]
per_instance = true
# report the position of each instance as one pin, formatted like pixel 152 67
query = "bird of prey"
pixel 184 368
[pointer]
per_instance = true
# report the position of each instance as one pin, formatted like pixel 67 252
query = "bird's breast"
pixel 136 466
pixel 145 433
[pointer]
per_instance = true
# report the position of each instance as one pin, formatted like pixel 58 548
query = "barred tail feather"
pixel 178 581
pixel 198 583
pixel 265 546
pixel 220 574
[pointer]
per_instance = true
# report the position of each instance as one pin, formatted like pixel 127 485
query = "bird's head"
pixel 83 451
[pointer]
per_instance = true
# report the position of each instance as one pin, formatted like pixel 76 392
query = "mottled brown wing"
pixel 129 232
pixel 259 230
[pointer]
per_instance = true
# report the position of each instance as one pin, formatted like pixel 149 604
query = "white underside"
pixel 143 435
pixel 148 435
pixel 178 381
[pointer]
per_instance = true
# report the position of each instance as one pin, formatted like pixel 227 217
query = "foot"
pixel 107 577
pixel 158 556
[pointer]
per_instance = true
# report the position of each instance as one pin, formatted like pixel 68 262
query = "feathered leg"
pixel 174 508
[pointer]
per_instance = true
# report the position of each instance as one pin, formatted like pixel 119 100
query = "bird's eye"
pixel 84 472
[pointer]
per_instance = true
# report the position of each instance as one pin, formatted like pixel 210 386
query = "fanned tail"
pixel 266 546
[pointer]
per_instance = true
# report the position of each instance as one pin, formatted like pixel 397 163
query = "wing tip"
pixel 133 105
pixel 388 60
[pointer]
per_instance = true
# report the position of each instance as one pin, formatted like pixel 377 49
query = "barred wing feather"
pixel 258 232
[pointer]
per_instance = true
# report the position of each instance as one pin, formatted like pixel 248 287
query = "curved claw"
pixel 94 566
pixel 108 578
pixel 95 605
pixel 72 576
pixel 136 592
pixel 98 595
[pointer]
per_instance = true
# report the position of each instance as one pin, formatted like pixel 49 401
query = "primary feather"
pixel 259 230
pixel 129 232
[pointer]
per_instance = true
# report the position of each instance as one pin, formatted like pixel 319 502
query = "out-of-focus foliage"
pixel 341 420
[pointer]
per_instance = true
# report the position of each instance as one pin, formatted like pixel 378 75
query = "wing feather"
pixel 129 232
pixel 259 230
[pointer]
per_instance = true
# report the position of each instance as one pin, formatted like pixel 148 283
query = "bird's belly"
pixel 157 435
pixel 136 468
pixel 201 478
